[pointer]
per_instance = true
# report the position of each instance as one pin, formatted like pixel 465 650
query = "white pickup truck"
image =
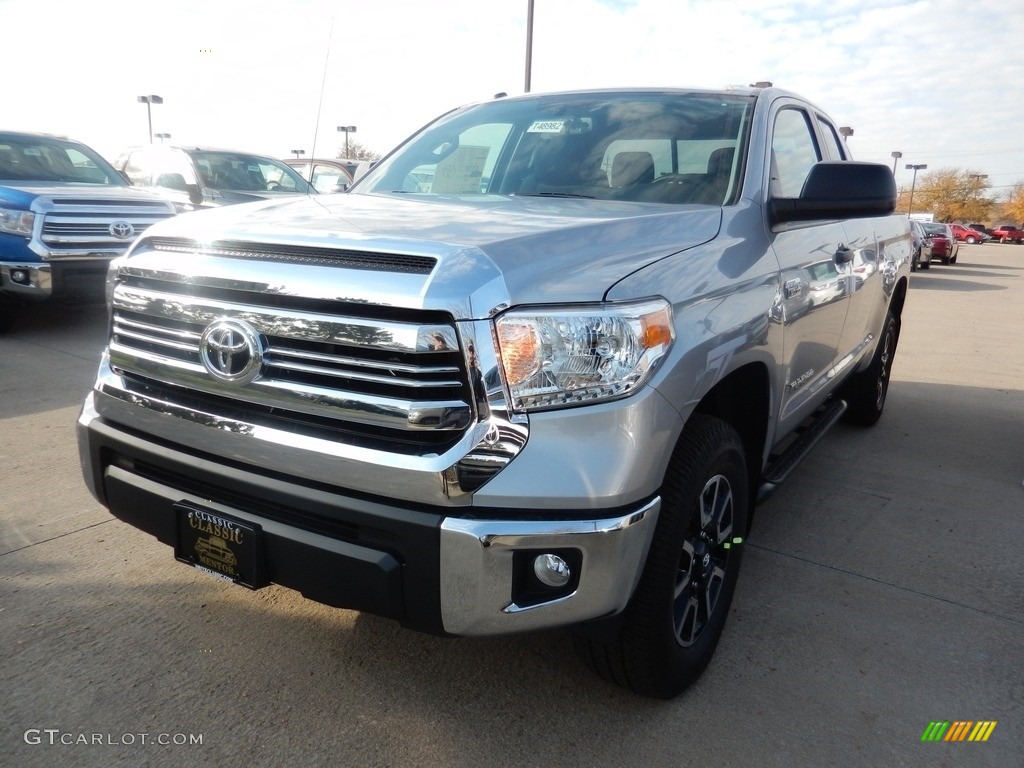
pixel 534 370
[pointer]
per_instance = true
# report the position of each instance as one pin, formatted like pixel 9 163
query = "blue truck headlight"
pixel 16 222
pixel 560 356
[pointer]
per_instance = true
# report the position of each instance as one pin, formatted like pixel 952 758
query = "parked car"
pixel 1008 233
pixel 547 392
pixel 210 177
pixel 923 245
pixel 65 212
pixel 944 246
pixel 328 176
pixel 982 229
pixel 968 234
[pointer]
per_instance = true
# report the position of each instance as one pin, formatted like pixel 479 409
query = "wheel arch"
pixel 743 400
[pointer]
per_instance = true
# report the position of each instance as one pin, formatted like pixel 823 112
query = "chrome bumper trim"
pixel 40 280
pixel 476 570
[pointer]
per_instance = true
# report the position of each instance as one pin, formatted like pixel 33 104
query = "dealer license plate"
pixel 219 544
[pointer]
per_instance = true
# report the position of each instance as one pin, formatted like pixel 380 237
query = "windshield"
pixel 651 146
pixel 247 173
pixel 43 158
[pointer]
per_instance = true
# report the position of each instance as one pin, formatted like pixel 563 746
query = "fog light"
pixel 20 276
pixel 552 570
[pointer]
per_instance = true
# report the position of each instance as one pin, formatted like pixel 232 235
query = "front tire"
pixel 865 393
pixel 671 627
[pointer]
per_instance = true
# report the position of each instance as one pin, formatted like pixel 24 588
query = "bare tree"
pixel 357 151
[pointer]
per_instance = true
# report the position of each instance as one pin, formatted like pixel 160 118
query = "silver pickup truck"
pixel 534 370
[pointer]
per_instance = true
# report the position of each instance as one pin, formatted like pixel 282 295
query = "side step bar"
pixel 780 465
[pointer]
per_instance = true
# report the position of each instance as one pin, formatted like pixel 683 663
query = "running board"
pixel 779 466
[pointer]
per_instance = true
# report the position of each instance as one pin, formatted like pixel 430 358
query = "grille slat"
pixel 76 224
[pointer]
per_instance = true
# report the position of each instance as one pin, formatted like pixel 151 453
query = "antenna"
pixel 320 106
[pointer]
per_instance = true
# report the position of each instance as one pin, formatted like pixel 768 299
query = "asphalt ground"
pixel 882 590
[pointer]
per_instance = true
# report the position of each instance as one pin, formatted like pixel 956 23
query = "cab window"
pixel 833 144
pixel 794 151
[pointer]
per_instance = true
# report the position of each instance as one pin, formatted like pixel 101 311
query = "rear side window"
pixel 833 144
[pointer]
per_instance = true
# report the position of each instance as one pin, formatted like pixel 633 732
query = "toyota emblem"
pixel 231 351
pixel 122 230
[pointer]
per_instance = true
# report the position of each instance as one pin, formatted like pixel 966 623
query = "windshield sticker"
pixel 546 126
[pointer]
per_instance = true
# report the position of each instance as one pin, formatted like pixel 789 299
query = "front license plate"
pixel 219 544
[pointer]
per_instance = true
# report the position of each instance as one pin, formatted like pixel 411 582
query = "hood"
pixel 490 250
pixel 22 193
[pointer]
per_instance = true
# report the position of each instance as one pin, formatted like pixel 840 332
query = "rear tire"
pixel 669 630
pixel 865 393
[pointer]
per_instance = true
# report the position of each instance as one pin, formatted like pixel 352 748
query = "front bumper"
pixel 33 281
pixel 435 569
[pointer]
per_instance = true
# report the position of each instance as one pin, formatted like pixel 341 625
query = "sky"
pixel 937 80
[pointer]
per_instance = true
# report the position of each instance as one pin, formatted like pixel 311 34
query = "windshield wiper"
pixel 555 194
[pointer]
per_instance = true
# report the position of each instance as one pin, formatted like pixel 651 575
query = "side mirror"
pixel 195 195
pixel 839 190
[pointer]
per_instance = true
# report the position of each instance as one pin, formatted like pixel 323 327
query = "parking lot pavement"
pixel 882 590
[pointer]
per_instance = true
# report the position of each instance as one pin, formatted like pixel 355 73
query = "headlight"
pixel 565 356
pixel 16 222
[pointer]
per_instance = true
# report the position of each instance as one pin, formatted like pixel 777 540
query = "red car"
pixel 1006 233
pixel 944 245
pixel 967 234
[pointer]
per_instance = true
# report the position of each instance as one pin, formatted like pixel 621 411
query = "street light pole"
pixel 915 168
pixel 895 156
pixel 346 129
pixel 149 101
pixel 298 153
pixel 162 136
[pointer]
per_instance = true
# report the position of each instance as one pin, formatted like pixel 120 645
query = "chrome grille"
pixel 75 224
pixel 372 378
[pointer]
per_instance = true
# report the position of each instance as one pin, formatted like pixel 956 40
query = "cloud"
pixel 927 77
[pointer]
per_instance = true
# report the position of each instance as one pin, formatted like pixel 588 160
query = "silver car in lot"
pixel 210 177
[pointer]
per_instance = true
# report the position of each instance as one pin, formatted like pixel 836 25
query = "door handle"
pixel 844 255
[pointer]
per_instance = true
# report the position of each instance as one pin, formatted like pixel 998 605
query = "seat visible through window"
pixel 632 168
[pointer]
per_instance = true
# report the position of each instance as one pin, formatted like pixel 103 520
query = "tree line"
pixel 963 195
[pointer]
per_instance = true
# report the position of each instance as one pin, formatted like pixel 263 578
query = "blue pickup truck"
pixel 65 212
